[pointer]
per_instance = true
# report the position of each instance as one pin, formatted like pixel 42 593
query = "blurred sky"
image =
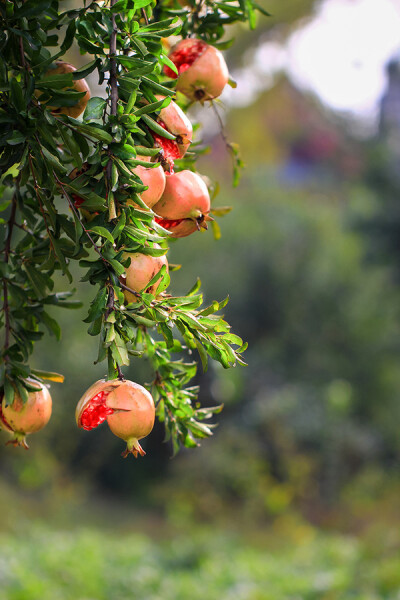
pixel 340 54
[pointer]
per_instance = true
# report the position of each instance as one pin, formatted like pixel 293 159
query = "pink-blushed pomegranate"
pixel 185 204
pixel 60 68
pixel 141 270
pixel 202 70
pixel 21 419
pixel 154 178
pixel 133 415
pixel 127 406
pixel 173 119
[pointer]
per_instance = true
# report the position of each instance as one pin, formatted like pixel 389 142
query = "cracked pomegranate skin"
pixel 177 123
pixel 79 85
pixel 185 204
pixel 203 72
pixel 22 419
pixel 173 119
pixel 92 409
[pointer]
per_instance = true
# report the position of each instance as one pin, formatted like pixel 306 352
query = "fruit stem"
pixel 120 374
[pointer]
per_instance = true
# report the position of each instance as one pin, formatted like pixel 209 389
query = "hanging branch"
pixel 237 162
pixel 7 250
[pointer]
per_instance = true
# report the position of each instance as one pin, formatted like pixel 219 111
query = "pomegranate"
pixel 127 406
pixel 141 270
pixel 60 68
pixel 21 419
pixel 154 178
pixel 202 70
pixel 173 119
pixel 185 204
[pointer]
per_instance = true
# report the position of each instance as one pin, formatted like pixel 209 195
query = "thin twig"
pixel 128 289
pixel 221 127
pixel 144 15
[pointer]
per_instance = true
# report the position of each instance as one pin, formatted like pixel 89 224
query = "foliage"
pixel 48 158
pixel 42 565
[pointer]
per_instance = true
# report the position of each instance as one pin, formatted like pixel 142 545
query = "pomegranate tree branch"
pixel 36 186
pixel 114 104
pixel 7 250
pixel 113 64
pixel 76 213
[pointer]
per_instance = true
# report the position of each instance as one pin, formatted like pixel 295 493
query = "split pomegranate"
pixel 173 119
pixel 21 419
pixel 60 68
pixel 185 204
pixel 202 70
pixel 141 270
pixel 154 178
pixel 127 406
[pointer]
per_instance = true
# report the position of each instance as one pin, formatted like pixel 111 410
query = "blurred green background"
pixel 296 495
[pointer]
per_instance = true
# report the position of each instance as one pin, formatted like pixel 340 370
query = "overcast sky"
pixel 340 54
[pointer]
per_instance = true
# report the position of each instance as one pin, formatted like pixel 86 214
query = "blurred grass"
pixel 86 564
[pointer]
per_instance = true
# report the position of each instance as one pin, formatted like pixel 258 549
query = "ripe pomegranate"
pixel 154 178
pixel 202 70
pixel 127 406
pixel 60 68
pixel 142 269
pixel 21 419
pixel 185 204
pixel 173 119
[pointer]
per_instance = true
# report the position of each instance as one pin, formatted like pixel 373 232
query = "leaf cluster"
pixel 49 160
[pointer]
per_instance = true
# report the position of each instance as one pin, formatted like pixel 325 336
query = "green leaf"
pixel 49 375
pixel 16 138
pixel 203 355
pixel 32 8
pixel 53 160
pixel 119 351
pixel 103 232
pixel 91 130
pixel 157 128
pixel 9 392
pixel 51 324
pixel 38 282
pixel 94 108
pixel 97 306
